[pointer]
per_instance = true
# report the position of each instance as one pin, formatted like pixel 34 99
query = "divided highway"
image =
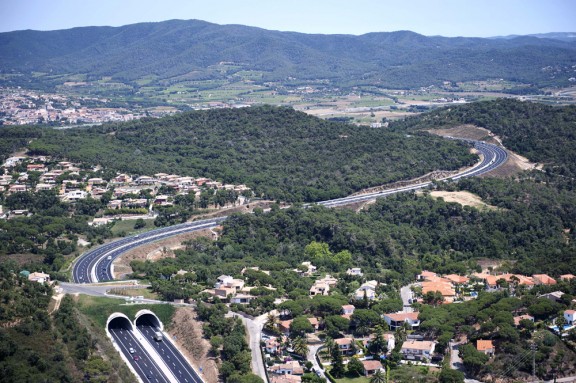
pixel 96 265
pixel 177 364
pixel 139 358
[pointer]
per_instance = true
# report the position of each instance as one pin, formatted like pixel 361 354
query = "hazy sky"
pixel 478 18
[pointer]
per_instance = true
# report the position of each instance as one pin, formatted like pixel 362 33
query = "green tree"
pixel 378 377
pixel 447 375
pixel 300 346
pixel 355 367
pixel 300 326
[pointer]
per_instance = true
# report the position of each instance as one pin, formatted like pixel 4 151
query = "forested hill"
pixel 278 152
pixel 163 51
pixel 542 133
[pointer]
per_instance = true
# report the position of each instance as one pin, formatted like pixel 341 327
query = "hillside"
pixel 278 152
pixel 177 50
pixel 543 134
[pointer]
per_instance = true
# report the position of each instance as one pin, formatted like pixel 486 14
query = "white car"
pixel 132 351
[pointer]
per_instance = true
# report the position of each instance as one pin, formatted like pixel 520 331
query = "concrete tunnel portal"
pixel 147 317
pixel 117 321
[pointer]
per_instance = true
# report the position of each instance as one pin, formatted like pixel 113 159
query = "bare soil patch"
pixel 464 198
pixel 154 251
pixel 186 332
pixel 515 163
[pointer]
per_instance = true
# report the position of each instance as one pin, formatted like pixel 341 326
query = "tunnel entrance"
pixel 119 321
pixel 149 319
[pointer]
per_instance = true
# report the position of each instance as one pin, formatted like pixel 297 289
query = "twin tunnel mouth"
pixel 120 321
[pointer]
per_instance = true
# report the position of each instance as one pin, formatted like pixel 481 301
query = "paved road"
pixel 145 367
pixel 96 265
pixel 312 351
pixel 254 328
pixel 175 361
pixel 406 295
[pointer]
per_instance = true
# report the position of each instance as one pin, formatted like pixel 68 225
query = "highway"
pixel 96 265
pixel 140 360
pixel 169 353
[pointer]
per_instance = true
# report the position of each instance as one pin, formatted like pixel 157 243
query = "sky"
pixel 470 18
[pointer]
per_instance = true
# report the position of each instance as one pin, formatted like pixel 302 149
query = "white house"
pixel 417 349
pixel 354 271
pixel 367 289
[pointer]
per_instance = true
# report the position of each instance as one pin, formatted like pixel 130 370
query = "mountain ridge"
pixel 168 49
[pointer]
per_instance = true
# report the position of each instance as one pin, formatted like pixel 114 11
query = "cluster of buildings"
pixel 454 287
pixel 25 107
pixel 126 189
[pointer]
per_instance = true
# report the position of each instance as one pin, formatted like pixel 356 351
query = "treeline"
pixel 542 133
pixel 279 153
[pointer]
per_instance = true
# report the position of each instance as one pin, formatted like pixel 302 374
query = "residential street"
pixel 312 351
pixel 406 294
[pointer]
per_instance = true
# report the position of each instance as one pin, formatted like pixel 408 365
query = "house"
pixel 310 269
pixel 319 288
pixel 426 275
pixel 285 379
pixel 322 286
pixel 75 195
pixel 519 318
pixel 284 326
pixel 348 309
pixel 445 288
pixel 39 277
pixel 397 320
pixel 272 346
pixel 96 181
pixel 567 277
pixel 418 349
pixel 569 316
pixel 345 345
pixel 242 299
pixel 457 279
pixel 145 180
pixel 288 368
pixel 485 346
pixel 17 188
pixel 368 290
pixel 354 271
pixel 543 279
pixel 44 187
pixel 122 178
pixel 314 322
pixel 554 296
pixel 371 366
pixel 224 292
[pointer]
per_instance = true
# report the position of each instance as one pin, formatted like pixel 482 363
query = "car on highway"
pixel 136 358
pixel 109 257
pixel 132 351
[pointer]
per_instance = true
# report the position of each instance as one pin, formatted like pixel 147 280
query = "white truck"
pixel 158 336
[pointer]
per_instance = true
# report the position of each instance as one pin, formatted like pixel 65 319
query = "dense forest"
pixel 280 153
pixel 184 50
